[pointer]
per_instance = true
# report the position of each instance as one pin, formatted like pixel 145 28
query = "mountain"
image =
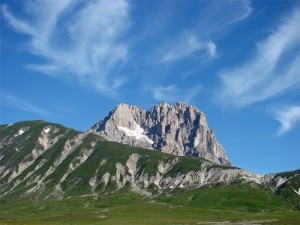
pixel 179 129
pixel 52 173
pixel 54 161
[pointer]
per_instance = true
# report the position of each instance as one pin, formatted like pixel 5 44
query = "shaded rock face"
pixel 179 129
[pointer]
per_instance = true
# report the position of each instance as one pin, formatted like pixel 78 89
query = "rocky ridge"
pixel 178 129
pixel 50 161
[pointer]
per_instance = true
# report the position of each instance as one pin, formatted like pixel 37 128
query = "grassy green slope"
pixel 236 202
pixel 289 190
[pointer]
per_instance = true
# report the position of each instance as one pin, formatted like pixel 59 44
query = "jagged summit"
pixel 179 129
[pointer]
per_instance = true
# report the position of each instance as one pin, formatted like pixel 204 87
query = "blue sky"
pixel 71 62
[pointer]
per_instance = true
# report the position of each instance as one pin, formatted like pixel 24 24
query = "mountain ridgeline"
pixel 43 160
pixel 179 129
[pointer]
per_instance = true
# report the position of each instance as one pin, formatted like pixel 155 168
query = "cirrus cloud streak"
pixel 288 116
pixel 187 45
pixel 268 73
pixel 78 39
pixel 14 102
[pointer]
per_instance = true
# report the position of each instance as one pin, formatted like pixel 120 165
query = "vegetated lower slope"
pixel 45 162
pixel 290 190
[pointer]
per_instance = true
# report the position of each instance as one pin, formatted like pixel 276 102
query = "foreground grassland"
pixel 195 207
pixel 137 213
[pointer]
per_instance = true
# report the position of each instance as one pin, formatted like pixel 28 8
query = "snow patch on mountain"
pixel 47 130
pixel 21 131
pixel 138 133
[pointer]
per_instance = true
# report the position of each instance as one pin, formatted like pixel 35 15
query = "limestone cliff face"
pixel 179 129
pixel 41 160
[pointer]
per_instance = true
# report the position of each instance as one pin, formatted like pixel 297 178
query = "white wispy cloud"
pixel 14 102
pixel 288 116
pixel 187 45
pixel 218 16
pixel 172 93
pixel 238 10
pixel 273 70
pixel 197 40
pixel 79 39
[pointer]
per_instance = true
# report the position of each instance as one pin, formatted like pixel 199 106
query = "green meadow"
pixel 235 204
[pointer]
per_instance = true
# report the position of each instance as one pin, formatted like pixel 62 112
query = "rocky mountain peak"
pixel 126 115
pixel 179 129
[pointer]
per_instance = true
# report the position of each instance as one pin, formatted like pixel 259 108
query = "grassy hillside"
pixel 50 174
